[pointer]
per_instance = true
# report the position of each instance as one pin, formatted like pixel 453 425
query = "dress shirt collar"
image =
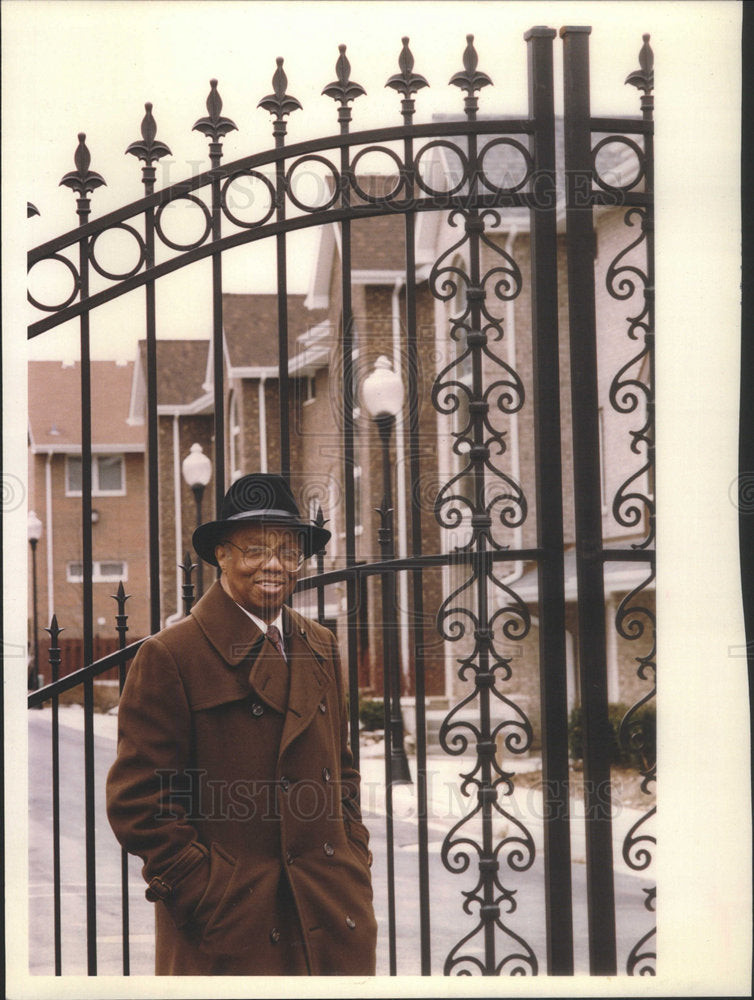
pixel 263 626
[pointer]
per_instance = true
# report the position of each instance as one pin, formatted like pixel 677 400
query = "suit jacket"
pixel 234 782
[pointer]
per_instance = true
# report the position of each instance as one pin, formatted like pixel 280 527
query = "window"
pixel 108 475
pixel 103 571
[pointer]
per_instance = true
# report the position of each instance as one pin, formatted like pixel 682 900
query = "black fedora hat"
pixel 262 497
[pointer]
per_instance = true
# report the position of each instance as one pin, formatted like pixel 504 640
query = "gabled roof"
pixel 55 407
pixel 181 374
pixel 251 330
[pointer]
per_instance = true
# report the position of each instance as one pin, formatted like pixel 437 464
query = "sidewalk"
pixel 446 808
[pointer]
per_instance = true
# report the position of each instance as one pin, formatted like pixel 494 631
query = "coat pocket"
pixel 358 839
pixel 221 868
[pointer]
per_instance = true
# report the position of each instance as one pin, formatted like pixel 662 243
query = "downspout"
pixel 178 614
pixel 400 476
pixel 48 518
pixel 510 325
pixel 262 426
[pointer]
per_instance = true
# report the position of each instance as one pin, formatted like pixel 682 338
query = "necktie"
pixel 273 634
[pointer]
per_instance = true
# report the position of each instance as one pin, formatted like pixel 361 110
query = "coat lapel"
pixel 269 677
pixel 298 685
pixel 309 677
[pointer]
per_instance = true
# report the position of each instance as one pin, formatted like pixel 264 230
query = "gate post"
pixel 587 501
pixel 549 492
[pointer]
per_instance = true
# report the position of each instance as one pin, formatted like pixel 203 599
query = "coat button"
pixel 350 922
pixel 289 858
pixel 274 935
pixel 328 849
pixel 285 784
pixel 257 709
pixel 326 774
pixel 322 707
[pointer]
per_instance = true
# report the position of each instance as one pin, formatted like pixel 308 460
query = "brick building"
pixel 316 389
pixel 119 501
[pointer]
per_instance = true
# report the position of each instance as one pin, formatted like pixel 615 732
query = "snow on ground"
pixel 446 804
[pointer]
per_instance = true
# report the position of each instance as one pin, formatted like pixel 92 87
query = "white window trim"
pixel 97 575
pixel 310 395
pixel 96 491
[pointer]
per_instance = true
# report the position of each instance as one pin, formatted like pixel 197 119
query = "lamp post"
pixel 34 533
pixel 382 393
pixel 197 471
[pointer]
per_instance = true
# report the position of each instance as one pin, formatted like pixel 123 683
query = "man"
pixel 234 780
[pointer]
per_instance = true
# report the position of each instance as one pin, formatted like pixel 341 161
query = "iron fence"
pixel 480 509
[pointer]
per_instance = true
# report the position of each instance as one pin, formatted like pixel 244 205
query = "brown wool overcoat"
pixel 234 783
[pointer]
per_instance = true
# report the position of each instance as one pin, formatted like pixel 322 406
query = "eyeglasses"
pixel 255 555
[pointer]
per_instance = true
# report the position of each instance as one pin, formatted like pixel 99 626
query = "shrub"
pixel 371 714
pixel 638 746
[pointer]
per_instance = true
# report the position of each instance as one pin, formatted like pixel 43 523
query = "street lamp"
pixel 382 394
pixel 34 533
pixel 197 471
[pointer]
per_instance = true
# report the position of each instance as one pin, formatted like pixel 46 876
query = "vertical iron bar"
pixel 347 328
pixel 217 343
pixel 54 659
pixel 418 594
pixel 320 522
pixel 481 524
pixel 549 503
pixel 88 599
pixel 389 652
pixel 587 501
pixel 121 625
pixel 282 281
pixel 187 588
pixel 280 104
pixel 215 127
pixel 152 422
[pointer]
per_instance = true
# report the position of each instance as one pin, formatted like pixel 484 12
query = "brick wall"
pixel 119 534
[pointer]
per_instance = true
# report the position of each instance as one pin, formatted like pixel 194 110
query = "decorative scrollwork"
pixel 635 621
pixel 225 197
pixel 631 389
pixel 112 275
pixel 622 279
pixel 622 140
pixel 527 161
pixel 330 197
pixel 642 960
pixel 172 243
pixel 74 291
pixel 455 185
pixel 398 185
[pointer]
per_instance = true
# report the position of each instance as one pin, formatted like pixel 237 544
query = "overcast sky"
pixel 77 66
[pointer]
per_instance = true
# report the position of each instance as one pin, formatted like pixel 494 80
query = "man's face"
pixel 263 584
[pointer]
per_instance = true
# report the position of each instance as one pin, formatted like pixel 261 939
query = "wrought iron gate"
pixel 491 523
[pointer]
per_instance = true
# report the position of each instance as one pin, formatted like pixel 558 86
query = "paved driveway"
pixel 449 924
